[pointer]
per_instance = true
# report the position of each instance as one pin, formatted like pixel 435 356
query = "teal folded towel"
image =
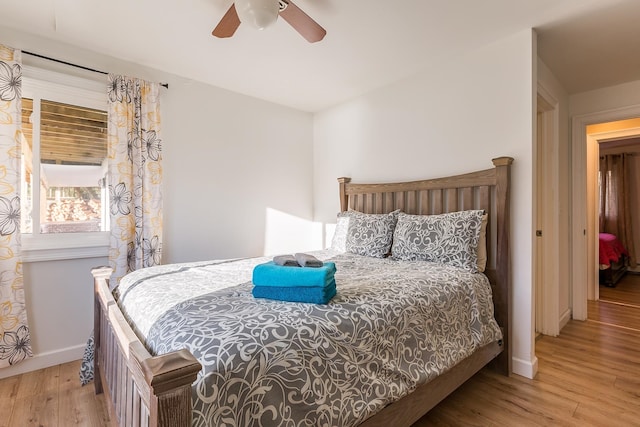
pixel 314 294
pixel 271 274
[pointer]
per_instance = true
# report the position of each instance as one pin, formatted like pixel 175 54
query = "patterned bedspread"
pixel 392 326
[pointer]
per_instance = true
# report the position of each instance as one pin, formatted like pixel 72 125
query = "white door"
pixel 546 262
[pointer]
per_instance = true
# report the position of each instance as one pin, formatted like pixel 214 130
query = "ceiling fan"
pixel 261 13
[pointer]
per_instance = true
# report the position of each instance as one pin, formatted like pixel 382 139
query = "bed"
pixel 612 259
pixel 157 390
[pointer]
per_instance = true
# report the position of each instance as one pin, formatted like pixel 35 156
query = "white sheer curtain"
pixel 135 175
pixel 15 341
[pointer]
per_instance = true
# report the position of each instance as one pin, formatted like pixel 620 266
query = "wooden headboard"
pixel 487 189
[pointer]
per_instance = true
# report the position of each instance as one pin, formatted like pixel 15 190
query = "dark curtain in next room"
pixel 615 200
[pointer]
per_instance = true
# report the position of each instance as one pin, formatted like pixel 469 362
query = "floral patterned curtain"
pixel 15 342
pixel 135 175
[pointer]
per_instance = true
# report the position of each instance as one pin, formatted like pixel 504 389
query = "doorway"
pixel 587 130
pixel 619 303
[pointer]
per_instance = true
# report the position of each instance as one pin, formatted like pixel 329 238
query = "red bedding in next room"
pixel 610 249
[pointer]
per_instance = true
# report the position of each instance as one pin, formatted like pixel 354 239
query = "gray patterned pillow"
pixel 370 234
pixel 450 238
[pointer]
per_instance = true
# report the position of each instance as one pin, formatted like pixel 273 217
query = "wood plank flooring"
pixel 51 397
pixel 588 376
pixel 627 291
pixel 619 305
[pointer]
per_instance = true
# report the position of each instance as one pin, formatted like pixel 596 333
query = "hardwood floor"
pixel 619 305
pixel 51 397
pixel 588 376
pixel 627 291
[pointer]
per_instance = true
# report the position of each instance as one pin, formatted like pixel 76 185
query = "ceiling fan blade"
pixel 228 24
pixel 302 23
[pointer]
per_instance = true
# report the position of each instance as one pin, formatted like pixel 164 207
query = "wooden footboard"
pixel 143 390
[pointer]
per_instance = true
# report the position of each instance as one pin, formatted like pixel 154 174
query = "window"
pixel 64 168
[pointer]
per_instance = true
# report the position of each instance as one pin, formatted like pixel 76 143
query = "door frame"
pixel 584 148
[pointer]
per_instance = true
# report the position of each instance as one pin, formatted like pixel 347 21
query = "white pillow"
pixel 339 241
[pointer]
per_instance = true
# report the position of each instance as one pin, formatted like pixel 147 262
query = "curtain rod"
pixel 165 85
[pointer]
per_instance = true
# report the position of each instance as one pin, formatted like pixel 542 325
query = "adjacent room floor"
pixel 619 305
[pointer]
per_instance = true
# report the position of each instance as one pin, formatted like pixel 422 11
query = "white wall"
pixel 237 173
pixel 228 161
pixel 451 119
pixel 605 99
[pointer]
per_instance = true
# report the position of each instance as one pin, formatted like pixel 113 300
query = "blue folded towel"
pixel 271 274
pixel 314 294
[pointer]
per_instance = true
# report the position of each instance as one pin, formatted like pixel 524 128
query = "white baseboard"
pixel 525 368
pixel 44 360
pixel 564 319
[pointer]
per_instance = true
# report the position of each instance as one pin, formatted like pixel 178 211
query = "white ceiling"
pixel 369 43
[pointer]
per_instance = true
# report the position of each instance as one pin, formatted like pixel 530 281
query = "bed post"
pixel 502 294
pixel 344 199
pixel 142 390
pixel 169 378
pixel 99 273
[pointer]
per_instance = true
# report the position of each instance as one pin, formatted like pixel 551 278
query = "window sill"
pixel 55 247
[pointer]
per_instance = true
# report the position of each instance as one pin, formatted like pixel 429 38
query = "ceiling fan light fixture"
pixel 257 13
